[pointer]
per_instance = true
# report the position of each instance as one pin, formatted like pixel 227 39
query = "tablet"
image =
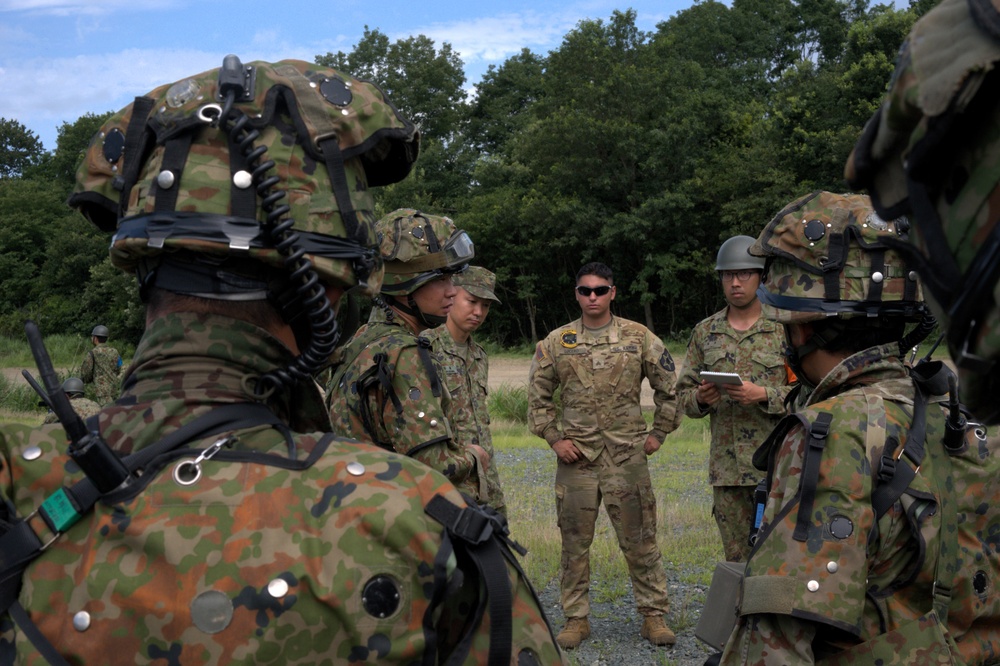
pixel 720 377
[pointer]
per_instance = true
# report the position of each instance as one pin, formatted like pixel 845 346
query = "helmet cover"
pixel 417 248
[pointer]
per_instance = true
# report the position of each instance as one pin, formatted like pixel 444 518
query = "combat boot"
pixel 576 629
pixel 656 632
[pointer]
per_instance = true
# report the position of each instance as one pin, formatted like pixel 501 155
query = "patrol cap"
pixel 828 256
pixel 477 281
pixel 417 247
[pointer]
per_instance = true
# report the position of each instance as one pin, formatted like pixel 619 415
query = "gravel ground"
pixel 615 625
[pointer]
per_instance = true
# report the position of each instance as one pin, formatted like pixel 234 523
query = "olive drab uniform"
pixel 102 367
pixel 600 374
pixel 387 390
pixel 273 547
pixel 466 375
pixel 84 407
pixel 854 564
pixel 757 355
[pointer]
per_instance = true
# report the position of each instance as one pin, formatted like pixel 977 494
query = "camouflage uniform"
pixel 871 580
pixel 101 368
pixel 84 407
pixel 466 375
pixel 330 559
pixel 757 355
pixel 600 373
pixel 419 428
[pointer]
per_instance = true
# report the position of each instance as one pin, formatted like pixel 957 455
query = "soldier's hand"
pixel 481 456
pixel 746 393
pixel 652 445
pixel 707 394
pixel 566 451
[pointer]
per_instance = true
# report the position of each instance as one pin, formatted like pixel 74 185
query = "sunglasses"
pixel 600 291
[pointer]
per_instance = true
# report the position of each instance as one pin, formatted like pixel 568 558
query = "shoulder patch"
pixel 666 361
pixel 568 339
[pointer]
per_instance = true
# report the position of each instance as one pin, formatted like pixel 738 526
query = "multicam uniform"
pixel 83 407
pixel 466 375
pixel 847 579
pixel 600 373
pixel 101 368
pixel 757 355
pixel 286 550
pixel 413 420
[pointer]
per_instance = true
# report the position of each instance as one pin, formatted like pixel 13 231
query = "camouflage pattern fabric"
pixel 254 562
pixel 83 407
pixel 600 374
pixel 466 375
pixel 757 355
pixel 101 367
pixel 865 588
pixel 733 509
pixel 422 430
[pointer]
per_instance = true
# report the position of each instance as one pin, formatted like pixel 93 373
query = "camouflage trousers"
pixel 733 510
pixel 494 492
pixel 627 494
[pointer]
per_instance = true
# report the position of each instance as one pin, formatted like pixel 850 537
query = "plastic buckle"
pixel 472 525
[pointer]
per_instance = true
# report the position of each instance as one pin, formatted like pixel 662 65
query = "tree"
pixel 20 148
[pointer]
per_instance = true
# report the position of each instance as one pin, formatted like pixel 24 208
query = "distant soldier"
pixel 83 406
pixel 602 441
pixel 466 368
pixel 878 543
pixel 932 152
pixel 737 340
pixel 102 367
pixel 386 388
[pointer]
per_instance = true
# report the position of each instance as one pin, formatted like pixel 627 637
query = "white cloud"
pixel 78 7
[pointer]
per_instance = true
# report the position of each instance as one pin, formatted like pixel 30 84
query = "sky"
pixel 60 59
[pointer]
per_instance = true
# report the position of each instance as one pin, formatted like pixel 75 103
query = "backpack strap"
pixel 817 431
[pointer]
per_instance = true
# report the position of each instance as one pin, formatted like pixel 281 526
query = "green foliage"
pixel 20 148
pixel 509 403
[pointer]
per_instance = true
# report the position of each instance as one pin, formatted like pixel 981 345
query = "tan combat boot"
pixel 576 629
pixel 656 632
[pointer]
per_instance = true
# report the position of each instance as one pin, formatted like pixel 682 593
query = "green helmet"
pixel 100 331
pixel 733 256
pixel 930 152
pixel 827 257
pixel 73 387
pixel 417 248
pixel 244 161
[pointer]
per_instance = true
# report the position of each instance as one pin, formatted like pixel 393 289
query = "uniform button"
pixel 812 586
pixel 832 567
pixel 165 179
pixel 277 588
pixel 420 415
pixel 81 621
pixel 434 423
pixel 32 453
pixel 355 468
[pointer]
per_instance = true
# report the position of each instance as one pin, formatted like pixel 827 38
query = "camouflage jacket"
pixel 102 367
pixel 83 407
pixel 601 375
pixel 466 375
pixel 757 355
pixel 850 589
pixel 412 418
pixel 289 549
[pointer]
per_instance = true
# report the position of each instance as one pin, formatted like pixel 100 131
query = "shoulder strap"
pixel 818 431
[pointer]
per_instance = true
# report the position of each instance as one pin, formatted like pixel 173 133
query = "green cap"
pixel 477 281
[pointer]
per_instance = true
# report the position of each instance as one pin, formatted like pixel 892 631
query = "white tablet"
pixel 720 377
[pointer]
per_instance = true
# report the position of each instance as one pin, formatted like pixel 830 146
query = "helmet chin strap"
pixel 411 308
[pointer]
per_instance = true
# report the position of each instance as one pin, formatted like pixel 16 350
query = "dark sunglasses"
pixel 587 291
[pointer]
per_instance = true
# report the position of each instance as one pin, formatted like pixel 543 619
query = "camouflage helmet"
pixel 478 281
pixel 733 256
pixel 827 257
pixel 931 152
pixel 73 386
pixel 417 248
pixel 100 331
pixel 233 161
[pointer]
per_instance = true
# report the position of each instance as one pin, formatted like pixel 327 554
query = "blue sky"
pixel 60 59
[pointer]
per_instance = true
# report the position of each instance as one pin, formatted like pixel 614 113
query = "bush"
pixel 509 403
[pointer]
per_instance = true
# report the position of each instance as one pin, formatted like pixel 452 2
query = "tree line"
pixel 643 150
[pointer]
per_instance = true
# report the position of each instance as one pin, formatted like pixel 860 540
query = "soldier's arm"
pixel 542 383
pixel 87 368
pixel 659 369
pixel 688 381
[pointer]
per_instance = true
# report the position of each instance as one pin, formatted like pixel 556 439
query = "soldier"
pixel 386 388
pixel 602 443
pixel 102 366
pixel 878 542
pixel 82 405
pixel 737 340
pixel 930 152
pixel 211 517
pixel 466 368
